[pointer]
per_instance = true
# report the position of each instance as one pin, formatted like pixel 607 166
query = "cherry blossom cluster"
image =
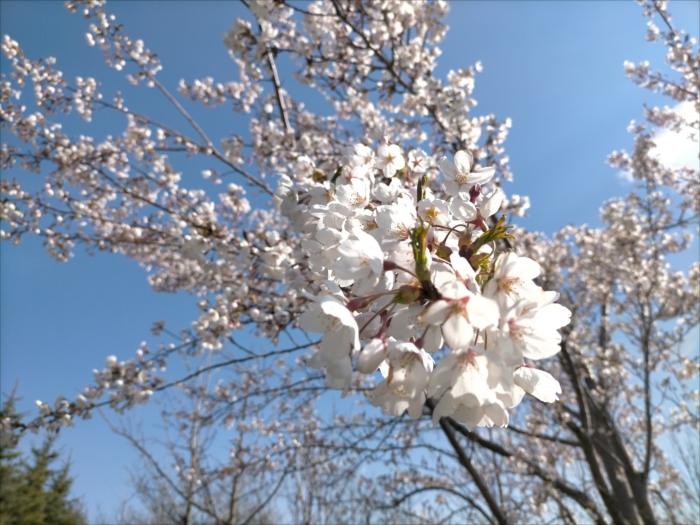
pixel 680 56
pixel 397 260
pixel 408 253
pixel 397 273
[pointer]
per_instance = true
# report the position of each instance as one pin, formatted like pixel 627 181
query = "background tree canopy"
pixel 33 489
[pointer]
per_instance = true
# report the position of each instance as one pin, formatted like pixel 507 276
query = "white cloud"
pixel 674 150
pixel 625 177
pixel 677 150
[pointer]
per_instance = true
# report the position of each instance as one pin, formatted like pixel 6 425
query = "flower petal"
pixel 457 331
pixel 492 203
pixel 335 344
pixel 463 161
pixel 447 168
pixel 483 313
pixel 313 320
pixel 436 313
pixel 482 175
pixel 470 388
pixel 371 356
pixel 537 383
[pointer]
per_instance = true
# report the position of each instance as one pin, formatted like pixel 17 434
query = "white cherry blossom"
pixel 460 312
pixel 355 194
pixel 434 211
pixel 531 332
pixel 390 159
pixel 340 332
pixel 362 246
pixel 513 280
pixel 406 322
pixel 394 223
pixel 361 259
pixel 418 161
pixel 461 381
pixel 404 387
pixel 537 383
pixel 459 177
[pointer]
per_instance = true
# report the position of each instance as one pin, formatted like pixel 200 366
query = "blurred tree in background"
pixel 32 490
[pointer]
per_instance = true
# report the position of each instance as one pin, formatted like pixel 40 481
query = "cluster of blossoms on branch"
pixel 388 262
pixel 399 259
pixel 124 195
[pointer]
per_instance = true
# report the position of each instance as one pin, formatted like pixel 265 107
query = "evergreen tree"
pixel 31 491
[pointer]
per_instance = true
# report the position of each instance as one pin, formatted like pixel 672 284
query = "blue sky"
pixel 555 68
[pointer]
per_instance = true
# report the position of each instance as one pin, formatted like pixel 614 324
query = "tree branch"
pixel 467 464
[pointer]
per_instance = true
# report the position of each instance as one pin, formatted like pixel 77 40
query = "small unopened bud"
pixel 360 302
pixel 476 259
pixel 464 244
pixel 474 192
pixel 390 266
pixel 408 294
pixel 444 252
